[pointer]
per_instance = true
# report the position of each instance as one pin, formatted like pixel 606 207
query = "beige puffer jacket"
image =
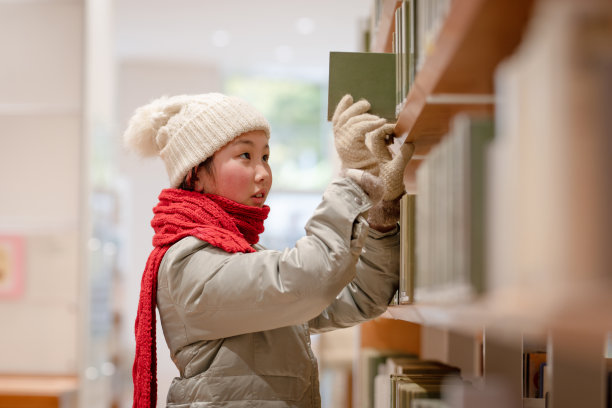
pixel 238 325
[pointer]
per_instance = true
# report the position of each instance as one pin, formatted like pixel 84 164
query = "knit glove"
pixel 385 214
pixel 351 123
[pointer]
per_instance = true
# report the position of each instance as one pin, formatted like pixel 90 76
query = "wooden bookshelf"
pixel 564 305
pixel 389 334
pixel 476 36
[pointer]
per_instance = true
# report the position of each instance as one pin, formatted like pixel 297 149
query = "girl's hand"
pixel 385 214
pixel 351 123
pixel 391 168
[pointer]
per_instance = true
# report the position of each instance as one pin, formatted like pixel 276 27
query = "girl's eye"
pixel 266 158
pixel 245 155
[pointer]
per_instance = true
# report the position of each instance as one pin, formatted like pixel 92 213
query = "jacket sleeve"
pixel 369 294
pixel 204 293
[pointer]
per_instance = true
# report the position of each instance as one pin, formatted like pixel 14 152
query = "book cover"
pixel 366 75
pixel 481 132
pixel 407 257
pixel 533 370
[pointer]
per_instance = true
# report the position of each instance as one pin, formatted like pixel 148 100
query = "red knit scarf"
pixel 219 221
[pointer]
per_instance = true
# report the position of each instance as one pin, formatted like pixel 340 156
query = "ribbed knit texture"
pixel 185 130
pixel 222 223
pixel 351 123
pixel 202 127
pixel 391 168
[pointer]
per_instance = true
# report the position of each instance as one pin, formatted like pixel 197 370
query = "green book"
pixel 479 131
pixel 407 245
pixel 366 75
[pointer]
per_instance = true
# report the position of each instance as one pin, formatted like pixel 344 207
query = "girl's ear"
pixel 203 176
pixel 198 185
pixel 202 179
pixel 189 180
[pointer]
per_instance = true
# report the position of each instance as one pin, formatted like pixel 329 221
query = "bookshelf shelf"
pixel 576 306
pixel 429 121
pixel 446 316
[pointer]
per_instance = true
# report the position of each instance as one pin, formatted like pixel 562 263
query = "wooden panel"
pixel 390 334
pixel 22 391
pixel 29 401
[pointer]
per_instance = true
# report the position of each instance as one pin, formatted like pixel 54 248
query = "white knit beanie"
pixel 185 130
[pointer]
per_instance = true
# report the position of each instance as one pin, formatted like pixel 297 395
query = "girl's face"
pixel 240 170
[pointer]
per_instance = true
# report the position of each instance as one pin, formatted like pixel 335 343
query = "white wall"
pixel 40 140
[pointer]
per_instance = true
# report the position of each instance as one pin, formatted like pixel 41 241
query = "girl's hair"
pixel 191 178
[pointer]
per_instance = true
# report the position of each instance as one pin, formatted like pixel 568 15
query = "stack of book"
pixel 411 382
pixel 374 362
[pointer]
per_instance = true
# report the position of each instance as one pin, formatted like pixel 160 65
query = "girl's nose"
pixel 262 173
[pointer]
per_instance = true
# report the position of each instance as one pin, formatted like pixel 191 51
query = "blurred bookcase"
pixel 507 104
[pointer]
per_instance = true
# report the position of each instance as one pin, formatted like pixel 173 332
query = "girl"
pixel 237 317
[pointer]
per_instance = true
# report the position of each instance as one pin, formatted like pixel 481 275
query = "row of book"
pixel 376 16
pixel 405 381
pixel 443 233
pixel 417 24
pixel 536 380
pixel 403 45
pixel 551 150
pixel 535 374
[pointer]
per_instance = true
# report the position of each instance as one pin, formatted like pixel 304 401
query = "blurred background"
pixel 75 207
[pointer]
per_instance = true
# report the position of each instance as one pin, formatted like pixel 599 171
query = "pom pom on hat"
pixel 185 130
pixel 142 129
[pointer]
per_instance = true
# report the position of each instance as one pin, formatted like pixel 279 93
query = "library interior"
pixel 504 297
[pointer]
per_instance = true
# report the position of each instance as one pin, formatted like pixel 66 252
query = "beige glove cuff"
pixel 393 173
pixel 370 184
pixel 384 215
